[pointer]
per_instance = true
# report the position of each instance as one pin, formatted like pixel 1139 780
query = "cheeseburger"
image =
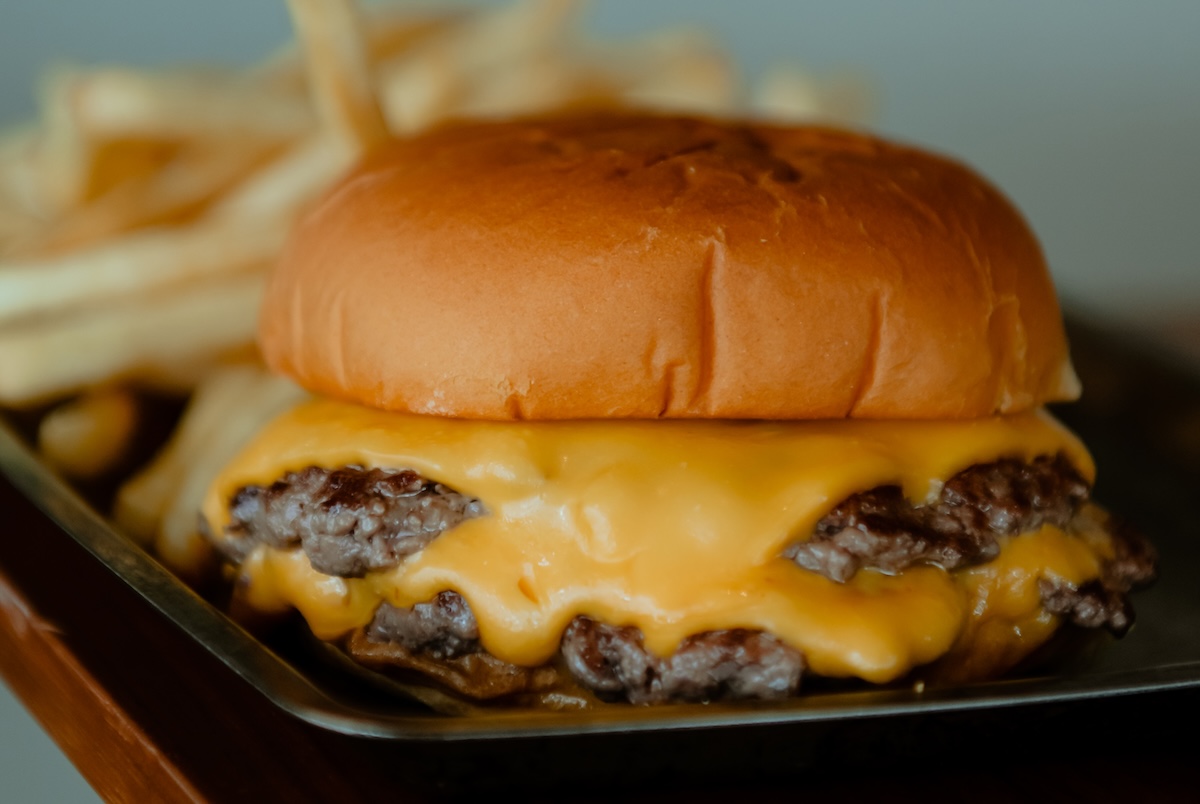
pixel 621 407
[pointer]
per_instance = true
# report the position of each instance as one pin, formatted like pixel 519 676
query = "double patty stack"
pixel 626 407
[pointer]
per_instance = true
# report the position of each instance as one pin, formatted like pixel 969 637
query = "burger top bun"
pixel 630 265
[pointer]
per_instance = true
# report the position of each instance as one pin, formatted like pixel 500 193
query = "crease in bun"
pixel 631 265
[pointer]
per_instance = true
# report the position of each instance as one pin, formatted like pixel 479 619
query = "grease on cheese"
pixel 671 526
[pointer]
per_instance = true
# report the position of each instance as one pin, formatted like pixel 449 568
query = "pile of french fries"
pixel 139 213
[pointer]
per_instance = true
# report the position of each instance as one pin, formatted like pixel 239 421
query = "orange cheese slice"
pixel 671 526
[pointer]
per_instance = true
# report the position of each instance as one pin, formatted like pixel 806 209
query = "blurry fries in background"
pixel 139 213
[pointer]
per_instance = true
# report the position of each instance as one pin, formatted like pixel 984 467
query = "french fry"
pixel 76 164
pixel 677 70
pixel 390 29
pixel 135 263
pixel 537 81
pixel 340 70
pixel 280 189
pixel 784 93
pixel 19 204
pixel 174 194
pixel 425 82
pixel 61 354
pixel 88 436
pixel 142 501
pixel 179 542
pixel 181 377
pixel 17 228
pixel 104 127
pixel 19 183
pixel 185 105
pixel 64 157
pixel 788 94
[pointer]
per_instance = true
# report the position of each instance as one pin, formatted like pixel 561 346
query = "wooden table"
pixel 147 714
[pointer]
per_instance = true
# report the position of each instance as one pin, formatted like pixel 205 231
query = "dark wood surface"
pixel 147 714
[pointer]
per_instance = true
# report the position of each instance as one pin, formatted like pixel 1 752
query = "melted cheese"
pixel 671 526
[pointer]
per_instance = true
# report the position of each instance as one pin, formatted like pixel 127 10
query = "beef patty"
pixel 880 529
pixel 349 521
pixel 353 520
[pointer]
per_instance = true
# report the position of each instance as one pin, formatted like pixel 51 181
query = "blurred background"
pixel 1086 113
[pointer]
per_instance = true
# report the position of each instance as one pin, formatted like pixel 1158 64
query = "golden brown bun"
pixel 640 266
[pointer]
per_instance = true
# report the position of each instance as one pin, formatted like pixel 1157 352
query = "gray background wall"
pixel 1086 113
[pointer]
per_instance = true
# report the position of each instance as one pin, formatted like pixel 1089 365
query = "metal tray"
pixel 1140 416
